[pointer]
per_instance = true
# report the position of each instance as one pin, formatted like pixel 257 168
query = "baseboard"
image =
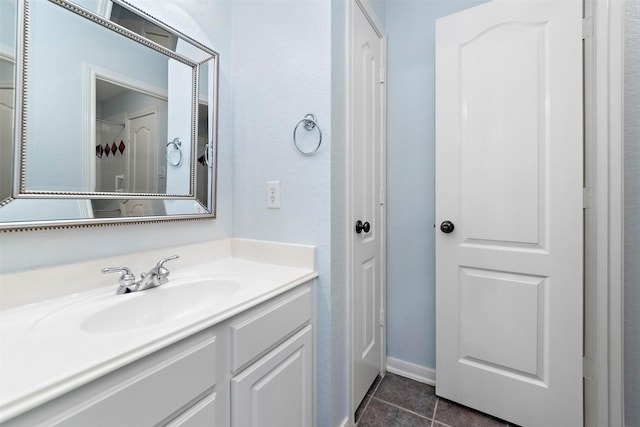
pixel 346 423
pixel 411 370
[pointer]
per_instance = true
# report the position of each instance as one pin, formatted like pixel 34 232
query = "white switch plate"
pixel 273 194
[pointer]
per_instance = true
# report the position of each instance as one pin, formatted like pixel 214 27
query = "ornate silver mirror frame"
pixel 196 152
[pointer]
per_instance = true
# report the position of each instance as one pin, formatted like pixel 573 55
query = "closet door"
pixel 509 188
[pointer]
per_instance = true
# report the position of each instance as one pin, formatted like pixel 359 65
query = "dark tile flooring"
pixel 397 401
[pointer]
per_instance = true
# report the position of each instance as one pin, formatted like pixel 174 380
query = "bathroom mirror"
pixel 115 121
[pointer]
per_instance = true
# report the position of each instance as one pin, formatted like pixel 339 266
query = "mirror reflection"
pixel 7 94
pixel 128 158
pixel 122 81
pixel 116 124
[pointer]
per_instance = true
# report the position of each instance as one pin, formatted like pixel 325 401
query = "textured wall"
pixel 281 60
pixel 410 27
pixel 632 214
pixel 205 21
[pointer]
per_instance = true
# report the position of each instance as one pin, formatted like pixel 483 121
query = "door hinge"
pixel 382 197
pixel 587 198
pixel 587 28
pixel 382 318
pixel 382 75
pixel 588 370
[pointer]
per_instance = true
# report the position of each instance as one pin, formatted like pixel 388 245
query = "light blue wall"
pixel 281 61
pixel 380 10
pixel 206 21
pixel 632 214
pixel 410 176
pixel 8 25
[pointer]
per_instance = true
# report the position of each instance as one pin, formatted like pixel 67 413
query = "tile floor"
pixel 401 402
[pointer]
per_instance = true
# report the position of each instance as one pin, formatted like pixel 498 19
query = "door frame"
pixel 604 214
pixel 368 12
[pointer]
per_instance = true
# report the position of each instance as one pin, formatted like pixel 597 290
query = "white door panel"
pixel 143 157
pixel 509 177
pixel 366 166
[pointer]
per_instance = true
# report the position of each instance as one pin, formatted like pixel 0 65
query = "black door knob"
pixel 446 227
pixel 360 227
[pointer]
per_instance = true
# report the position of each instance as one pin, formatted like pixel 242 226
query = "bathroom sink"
pixel 158 305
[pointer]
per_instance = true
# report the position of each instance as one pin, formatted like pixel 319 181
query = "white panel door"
pixel 366 167
pixel 509 178
pixel 277 389
pixel 143 154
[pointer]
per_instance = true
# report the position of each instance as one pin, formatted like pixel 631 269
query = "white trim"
pixel 590 390
pixel 615 259
pixel 383 206
pixel 104 8
pixel 346 423
pixel 605 173
pixel 411 370
pixel 348 210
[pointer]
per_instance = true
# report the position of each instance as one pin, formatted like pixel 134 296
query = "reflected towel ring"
pixel 177 146
pixel 310 123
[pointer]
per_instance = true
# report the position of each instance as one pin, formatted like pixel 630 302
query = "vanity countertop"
pixel 46 348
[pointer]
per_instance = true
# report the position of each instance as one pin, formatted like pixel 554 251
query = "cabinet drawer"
pixel 151 394
pixel 262 329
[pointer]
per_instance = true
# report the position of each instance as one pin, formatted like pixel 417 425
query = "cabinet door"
pixel 277 389
pixel 201 414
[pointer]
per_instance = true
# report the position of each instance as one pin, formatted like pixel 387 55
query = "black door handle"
pixel 446 227
pixel 360 227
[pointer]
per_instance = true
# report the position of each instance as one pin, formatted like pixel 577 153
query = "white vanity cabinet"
pixel 272 363
pixel 254 368
pixel 182 378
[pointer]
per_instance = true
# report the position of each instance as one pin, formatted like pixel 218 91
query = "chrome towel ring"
pixel 310 123
pixel 177 146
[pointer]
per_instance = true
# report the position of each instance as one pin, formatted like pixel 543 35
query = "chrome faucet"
pixel 157 276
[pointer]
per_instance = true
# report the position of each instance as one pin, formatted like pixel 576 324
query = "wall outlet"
pixel 273 194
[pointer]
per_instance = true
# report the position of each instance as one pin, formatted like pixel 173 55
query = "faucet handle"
pixel 161 269
pixel 126 276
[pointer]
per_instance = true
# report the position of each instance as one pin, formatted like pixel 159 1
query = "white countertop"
pixel 45 352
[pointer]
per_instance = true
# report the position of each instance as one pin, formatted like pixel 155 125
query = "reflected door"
pixel 509 181
pixel 143 154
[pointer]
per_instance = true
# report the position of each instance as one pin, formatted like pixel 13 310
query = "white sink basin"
pixel 158 305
